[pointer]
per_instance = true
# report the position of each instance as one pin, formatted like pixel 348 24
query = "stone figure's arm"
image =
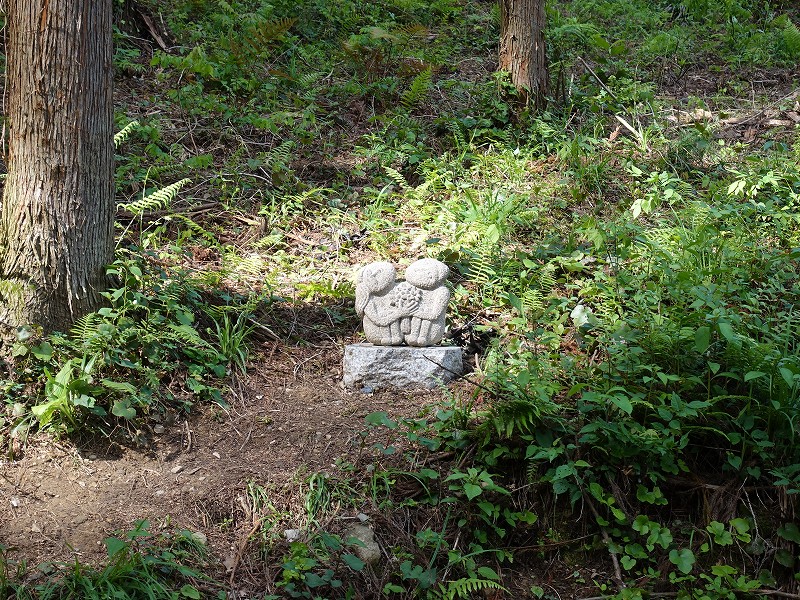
pixel 383 316
pixel 362 298
pixel 433 304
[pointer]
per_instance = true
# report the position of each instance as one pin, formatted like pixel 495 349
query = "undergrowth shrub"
pixel 140 565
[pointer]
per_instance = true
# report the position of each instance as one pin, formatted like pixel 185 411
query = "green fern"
pixel 187 335
pixel 158 200
pixel 467 587
pixel 227 8
pixel 458 136
pixel 397 177
pixel 417 91
pixel 414 31
pixel 122 135
pixel 257 38
pixel 790 40
pixel 280 155
pixel 85 329
pixel 196 229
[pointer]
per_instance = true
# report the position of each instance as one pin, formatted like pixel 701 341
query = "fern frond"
pixel 197 229
pixel 414 30
pixel 226 7
pixel 257 38
pixel 517 415
pixel 265 33
pixel 122 387
pixel 533 302
pixel 85 328
pixel 466 587
pixel 458 135
pixel 790 38
pixel 417 91
pixel 481 268
pixel 124 133
pixel 280 154
pixel 188 335
pixel 547 277
pixel 157 200
pixel 397 177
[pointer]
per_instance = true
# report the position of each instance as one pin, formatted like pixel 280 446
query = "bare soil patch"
pixel 288 417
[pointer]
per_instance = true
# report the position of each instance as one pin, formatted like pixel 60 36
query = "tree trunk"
pixel 57 222
pixel 522 49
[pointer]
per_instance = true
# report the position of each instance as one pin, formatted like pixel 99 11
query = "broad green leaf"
pixel 380 418
pixel 790 531
pixel 114 546
pixel 43 351
pixel 787 375
pixel 353 562
pixel 723 570
pixel 428 474
pixel 488 573
pixel 622 402
pixel 683 559
pixel 123 408
pixel 189 591
pixel 493 233
pixel 472 490
pixel 726 331
pixel 702 339
pixel 784 557
pixel 313 580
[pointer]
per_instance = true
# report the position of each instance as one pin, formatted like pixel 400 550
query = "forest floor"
pixel 288 417
pixel 289 192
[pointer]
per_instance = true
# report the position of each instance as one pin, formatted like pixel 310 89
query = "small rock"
pixel 158 429
pixel 292 534
pixel 176 469
pixel 367 548
pixel 199 537
pixel 362 517
pixel 36 529
pixel 215 455
pixel 14 501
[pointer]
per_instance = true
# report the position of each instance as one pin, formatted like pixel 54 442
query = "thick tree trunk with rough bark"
pixel 57 223
pixel 522 49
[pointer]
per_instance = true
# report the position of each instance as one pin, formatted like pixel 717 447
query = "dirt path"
pixel 60 500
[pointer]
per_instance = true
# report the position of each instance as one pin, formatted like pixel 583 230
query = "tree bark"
pixel 523 53
pixel 57 221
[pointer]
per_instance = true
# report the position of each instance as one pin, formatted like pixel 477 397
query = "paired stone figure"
pixel 411 311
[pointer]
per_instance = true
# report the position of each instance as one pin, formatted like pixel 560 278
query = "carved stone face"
pixel 377 277
pixel 427 273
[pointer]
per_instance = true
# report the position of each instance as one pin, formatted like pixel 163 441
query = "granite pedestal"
pixel 382 367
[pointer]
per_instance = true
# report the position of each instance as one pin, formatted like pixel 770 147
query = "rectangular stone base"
pixel 381 367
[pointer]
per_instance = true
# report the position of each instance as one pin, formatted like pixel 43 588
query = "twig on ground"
pixel 606 539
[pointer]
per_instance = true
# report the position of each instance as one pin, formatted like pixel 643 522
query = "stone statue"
pixel 411 311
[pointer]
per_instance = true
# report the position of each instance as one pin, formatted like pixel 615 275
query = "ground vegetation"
pixel 624 285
